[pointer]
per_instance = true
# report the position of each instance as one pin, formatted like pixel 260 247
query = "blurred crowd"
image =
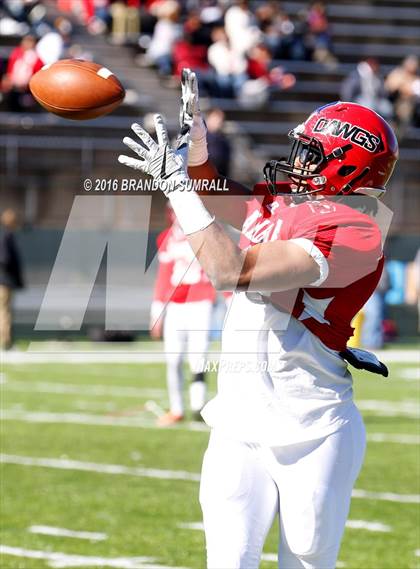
pixel 234 46
pixel 46 37
pixel 396 97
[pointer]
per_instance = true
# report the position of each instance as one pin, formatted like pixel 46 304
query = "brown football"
pixel 77 89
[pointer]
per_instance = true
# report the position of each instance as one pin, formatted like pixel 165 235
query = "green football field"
pixel 81 453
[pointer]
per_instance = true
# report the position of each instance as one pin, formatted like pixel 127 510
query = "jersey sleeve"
pixel 344 243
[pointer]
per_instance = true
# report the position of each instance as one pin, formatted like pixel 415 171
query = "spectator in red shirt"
pixel 260 64
pixel 23 63
pixel 318 25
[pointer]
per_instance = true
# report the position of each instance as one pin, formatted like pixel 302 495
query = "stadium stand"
pixel 379 28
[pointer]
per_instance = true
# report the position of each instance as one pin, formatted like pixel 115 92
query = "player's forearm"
pixel 220 258
pixel 206 171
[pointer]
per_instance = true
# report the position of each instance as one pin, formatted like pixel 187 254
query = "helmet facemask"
pixel 304 163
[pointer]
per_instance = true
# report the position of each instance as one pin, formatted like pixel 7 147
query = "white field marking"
pixel 104 73
pixel 14 357
pixel 62 560
pixel 390 438
pixel 369 526
pixel 72 356
pixel 67 464
pixel 270 557
pixel 390 408
pixel 154 408
pixel 409 373
pixel 387 496
pixel 62 532
pixel 17 414
pixel 98 420
pixel 199 526
pixel 77 389
pixel 353 524
pixel 417 552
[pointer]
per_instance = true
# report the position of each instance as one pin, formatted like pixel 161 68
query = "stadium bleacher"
pixel 379 28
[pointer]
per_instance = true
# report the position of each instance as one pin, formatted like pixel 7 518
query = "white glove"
pixel 191 120
pixel 158 159
pixel 169 169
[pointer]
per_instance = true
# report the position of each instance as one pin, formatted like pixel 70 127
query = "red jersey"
pixel 348 240
pixel 180 277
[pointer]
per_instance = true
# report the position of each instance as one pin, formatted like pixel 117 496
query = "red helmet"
pixel 342 148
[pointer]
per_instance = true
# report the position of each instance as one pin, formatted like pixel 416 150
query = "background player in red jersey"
pixel 286 438
pixel 181 311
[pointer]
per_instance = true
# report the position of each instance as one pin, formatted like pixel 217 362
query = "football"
pixel 77 89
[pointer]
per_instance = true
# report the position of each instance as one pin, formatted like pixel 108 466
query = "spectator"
pixel 10 275
pixel 218 144
pixel 241 27
pixel 229 65
pixel 319 29
pixel 23 63
pixel 278 29
pixel 165 34
pixel 199 33
pixel 403 85
pixel 365 86
pixel 263 77
pixel 125 21
pixel 191 50
pixel 194 56
pixel 52 45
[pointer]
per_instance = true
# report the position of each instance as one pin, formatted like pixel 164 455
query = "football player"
pixel 181 311
pixel 286 437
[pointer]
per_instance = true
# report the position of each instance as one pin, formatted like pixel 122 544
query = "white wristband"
pixel 197 151
pixel 190 211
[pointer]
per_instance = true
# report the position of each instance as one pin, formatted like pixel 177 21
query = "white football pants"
pixel 244 486
pixel 186 331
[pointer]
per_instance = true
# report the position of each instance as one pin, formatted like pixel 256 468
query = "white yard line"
pixel 390 408
pixel 71 356
pixel 62 532
pixel 387 496
pixel 273 558
pixel 154 408
pixel 83 389
pixel 25 358
pixel 400 439
pixel 417 553
pixel 67 464
pixel 270 557
pixel 144 423
pixel 369 526
pixel 199 526
pixel 91 419
pixel 410 373
pixel 62 560
pixel 352 524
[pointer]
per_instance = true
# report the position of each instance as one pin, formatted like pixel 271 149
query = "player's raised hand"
pixel 157 159
pixel 190 117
